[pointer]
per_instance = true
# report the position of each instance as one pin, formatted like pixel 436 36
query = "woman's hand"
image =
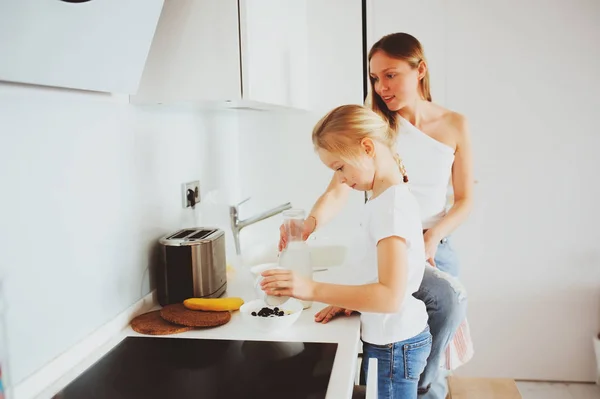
pixel 281 282
pixel 431 246
pixel 328 313
pixel 309 226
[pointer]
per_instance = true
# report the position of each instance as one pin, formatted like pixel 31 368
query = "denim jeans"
pixel 399 365
pixel 445 300
pixel 446 259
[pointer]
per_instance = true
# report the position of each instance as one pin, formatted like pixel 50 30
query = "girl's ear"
pixel 422 69
pixel 368 146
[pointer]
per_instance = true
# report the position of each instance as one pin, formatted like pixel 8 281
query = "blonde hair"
pixel 401 46
pixel 342 130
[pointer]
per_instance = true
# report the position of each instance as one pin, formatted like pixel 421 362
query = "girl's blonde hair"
pixel 401 46
pixel 342 130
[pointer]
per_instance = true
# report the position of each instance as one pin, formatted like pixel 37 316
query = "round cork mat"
pixel 179 314
pixel 152 324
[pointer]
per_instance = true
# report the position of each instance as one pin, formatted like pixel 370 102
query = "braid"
pixel 402 168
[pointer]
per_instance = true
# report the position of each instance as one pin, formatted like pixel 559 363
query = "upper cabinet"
pixel 300 54
pixel 296 54
pixel 98 45
pixel 336 62
pixel 246 52
pixel 274 40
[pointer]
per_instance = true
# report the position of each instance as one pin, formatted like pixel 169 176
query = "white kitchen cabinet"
pixel 335 53
pixel 247 53
pixel 274 38
pixel 99 45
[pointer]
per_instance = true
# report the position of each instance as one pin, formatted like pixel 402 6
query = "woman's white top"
pixel 428 164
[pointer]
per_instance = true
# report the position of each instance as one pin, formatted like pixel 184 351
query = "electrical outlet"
pixel 195 187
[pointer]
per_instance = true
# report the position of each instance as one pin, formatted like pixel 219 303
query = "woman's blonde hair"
pixel 342 130
pixel 401 46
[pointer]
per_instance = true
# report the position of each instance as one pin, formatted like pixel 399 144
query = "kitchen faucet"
pixel 237 225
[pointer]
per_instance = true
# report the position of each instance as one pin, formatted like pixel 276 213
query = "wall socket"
pixel 195 187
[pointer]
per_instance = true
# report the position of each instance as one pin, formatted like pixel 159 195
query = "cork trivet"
pixel 152 324
pixel 179 314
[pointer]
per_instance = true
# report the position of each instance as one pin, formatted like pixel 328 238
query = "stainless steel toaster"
pixel 192 266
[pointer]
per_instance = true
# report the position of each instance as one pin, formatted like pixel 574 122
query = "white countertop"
pixel 345 331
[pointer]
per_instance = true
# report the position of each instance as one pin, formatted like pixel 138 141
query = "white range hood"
pixel 98 45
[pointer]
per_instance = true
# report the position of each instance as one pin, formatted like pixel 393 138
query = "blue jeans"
pixel 399 365
pixel 446 259
pixel 445 300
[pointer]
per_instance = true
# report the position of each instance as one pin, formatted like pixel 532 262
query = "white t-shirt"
pixel 395 212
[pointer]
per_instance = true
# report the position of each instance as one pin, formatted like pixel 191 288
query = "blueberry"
pixel 253 313
pixel 276 309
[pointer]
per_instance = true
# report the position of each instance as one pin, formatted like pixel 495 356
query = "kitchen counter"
pixel 345 331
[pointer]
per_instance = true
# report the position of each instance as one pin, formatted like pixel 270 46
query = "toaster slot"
pixel 201 234
pixel 180 234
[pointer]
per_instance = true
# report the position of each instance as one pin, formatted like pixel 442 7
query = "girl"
pixel 435 146
pixel 359 146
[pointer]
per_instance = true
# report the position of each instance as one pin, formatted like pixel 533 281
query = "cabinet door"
pixel 274 51
pixel 195 55
pixel 98 45
pixel 335 53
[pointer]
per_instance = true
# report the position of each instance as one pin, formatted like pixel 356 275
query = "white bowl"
pixel 271 324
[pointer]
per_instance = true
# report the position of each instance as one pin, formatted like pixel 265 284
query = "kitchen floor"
pixel 545 390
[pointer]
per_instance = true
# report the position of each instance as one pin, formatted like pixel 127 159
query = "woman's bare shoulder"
pixel 458 123
pixel 453 122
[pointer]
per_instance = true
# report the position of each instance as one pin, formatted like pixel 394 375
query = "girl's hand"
pixel 279 282
pixel 310 224
pixel 431 246
pixel 329 313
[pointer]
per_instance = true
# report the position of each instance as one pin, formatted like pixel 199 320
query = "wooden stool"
pixel 482 388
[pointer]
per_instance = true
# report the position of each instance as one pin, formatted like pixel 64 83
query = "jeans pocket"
pixel 415 357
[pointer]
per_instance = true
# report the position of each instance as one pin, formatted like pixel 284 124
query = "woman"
pixel 434 144
pixel 433 141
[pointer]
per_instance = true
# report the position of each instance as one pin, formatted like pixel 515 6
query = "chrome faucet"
pixel 237 225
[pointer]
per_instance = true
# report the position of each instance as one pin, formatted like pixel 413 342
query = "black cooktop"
pixel 181 368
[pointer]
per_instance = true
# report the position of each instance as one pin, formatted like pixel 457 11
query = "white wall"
pixel 525 75
pixel 88 185
pixel 532 259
